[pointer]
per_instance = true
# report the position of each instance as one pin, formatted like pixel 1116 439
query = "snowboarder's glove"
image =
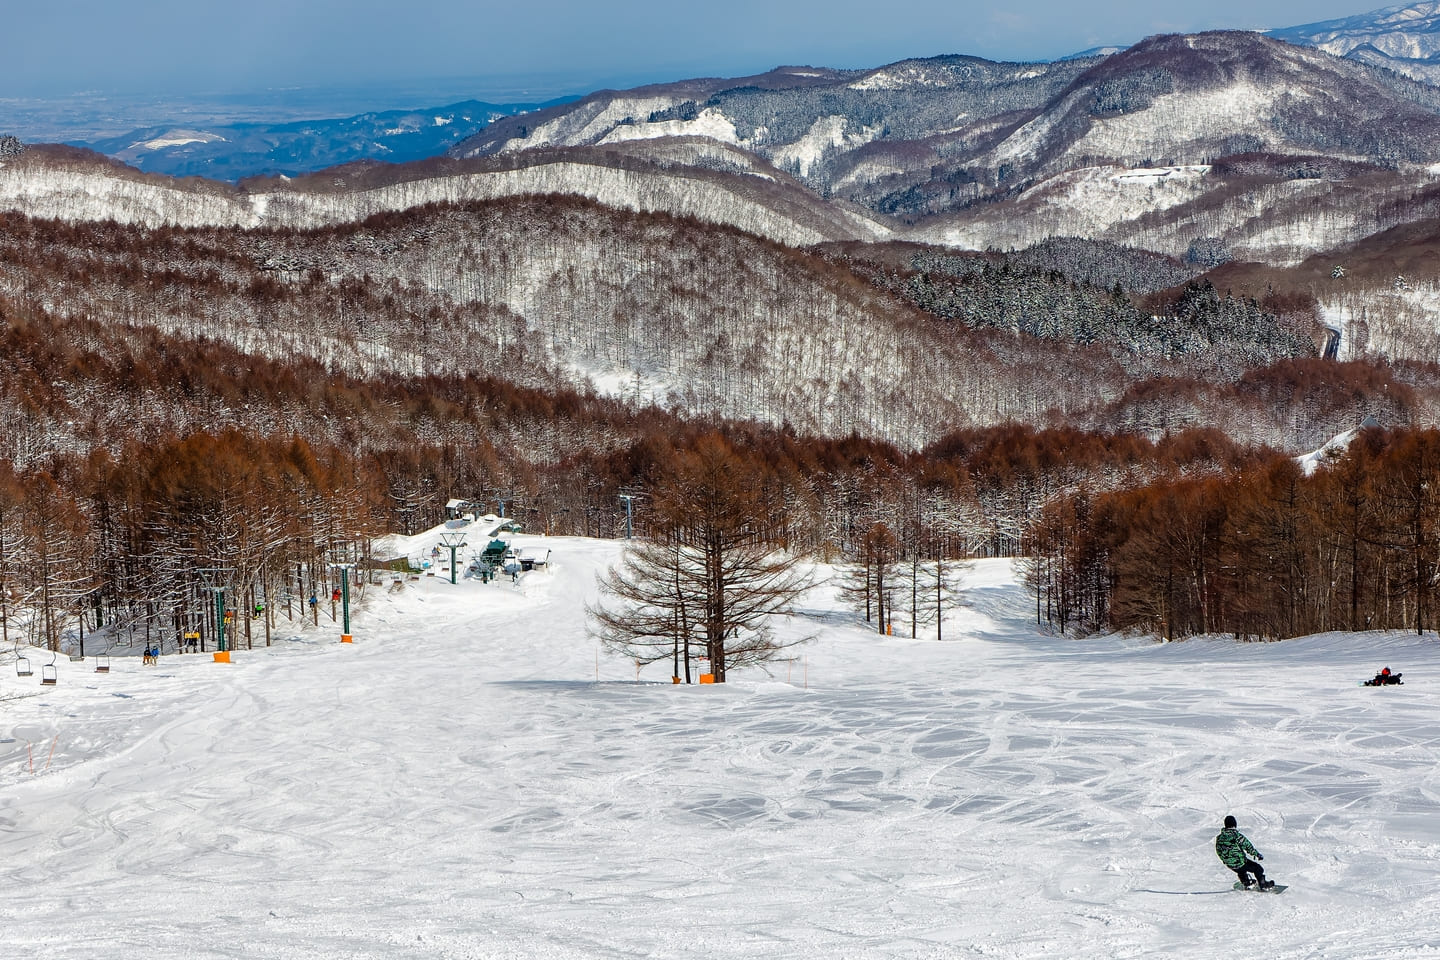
pixel 1259 856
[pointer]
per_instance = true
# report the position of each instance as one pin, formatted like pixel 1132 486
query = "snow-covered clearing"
pixel 178 138
pixel 825 134
pixel 1333 449
pixel 710 123
pixel 1088 201
pixel 469 779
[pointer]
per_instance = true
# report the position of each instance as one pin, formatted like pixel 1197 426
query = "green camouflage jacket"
pixel 1232 848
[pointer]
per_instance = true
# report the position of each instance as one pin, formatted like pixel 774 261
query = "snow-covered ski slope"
pixel 458 784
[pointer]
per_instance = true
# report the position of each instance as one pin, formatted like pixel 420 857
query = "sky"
pixel 543 48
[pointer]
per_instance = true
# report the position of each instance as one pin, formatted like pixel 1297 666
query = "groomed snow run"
pixel 459 784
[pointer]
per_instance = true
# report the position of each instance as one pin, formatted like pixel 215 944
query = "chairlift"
pixel 102 664
pixel 22 667
pixel 48 674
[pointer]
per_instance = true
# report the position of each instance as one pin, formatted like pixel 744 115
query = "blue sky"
pixel 545 47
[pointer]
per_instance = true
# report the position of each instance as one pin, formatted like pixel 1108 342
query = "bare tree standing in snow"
pixel 708 574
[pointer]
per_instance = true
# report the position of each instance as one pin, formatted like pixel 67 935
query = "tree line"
pixel 140 542
pixel 1271 550
pixel 1189 533
pixel 121 534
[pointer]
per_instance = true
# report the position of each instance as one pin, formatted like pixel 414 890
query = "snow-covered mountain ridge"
pixel 1403 39
pixel 1405 32
pixel 959 149
pixel 1231 143
pixel 713 185
pixel 1188 99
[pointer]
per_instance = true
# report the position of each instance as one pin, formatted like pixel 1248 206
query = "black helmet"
pixel 1229 821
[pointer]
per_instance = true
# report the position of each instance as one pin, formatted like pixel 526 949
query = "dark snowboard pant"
pixel 1250 867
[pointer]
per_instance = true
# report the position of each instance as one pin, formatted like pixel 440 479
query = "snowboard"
pixel 1278 888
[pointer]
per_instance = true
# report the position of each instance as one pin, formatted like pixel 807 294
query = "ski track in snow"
pixel 458 784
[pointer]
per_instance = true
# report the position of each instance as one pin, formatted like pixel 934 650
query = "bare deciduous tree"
pixel 709 573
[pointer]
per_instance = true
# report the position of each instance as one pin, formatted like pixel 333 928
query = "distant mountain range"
pixel 891 251
pixel 941 108
pixel 235 151
pixel 1278 170
pixel 1174 142
pixel 1208 147
pixel 1403 38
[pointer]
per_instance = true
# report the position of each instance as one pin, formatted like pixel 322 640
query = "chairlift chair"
pixel 48 674
pixel 102 664
pixel 22 667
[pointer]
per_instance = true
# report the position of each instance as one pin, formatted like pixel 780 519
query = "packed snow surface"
pixel 472 779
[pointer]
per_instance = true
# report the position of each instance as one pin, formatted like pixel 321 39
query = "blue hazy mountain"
pixel 233 151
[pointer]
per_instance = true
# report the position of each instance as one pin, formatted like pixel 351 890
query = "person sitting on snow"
pixel 1235 851
pixel 1384 678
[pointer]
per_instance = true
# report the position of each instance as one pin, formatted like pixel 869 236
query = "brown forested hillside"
pixel 134 457
pixel 701 320
pixel 270 400
pixel 1269 552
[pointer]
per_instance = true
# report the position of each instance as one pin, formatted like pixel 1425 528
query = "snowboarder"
pixel 1235 851
pixel 1384 678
